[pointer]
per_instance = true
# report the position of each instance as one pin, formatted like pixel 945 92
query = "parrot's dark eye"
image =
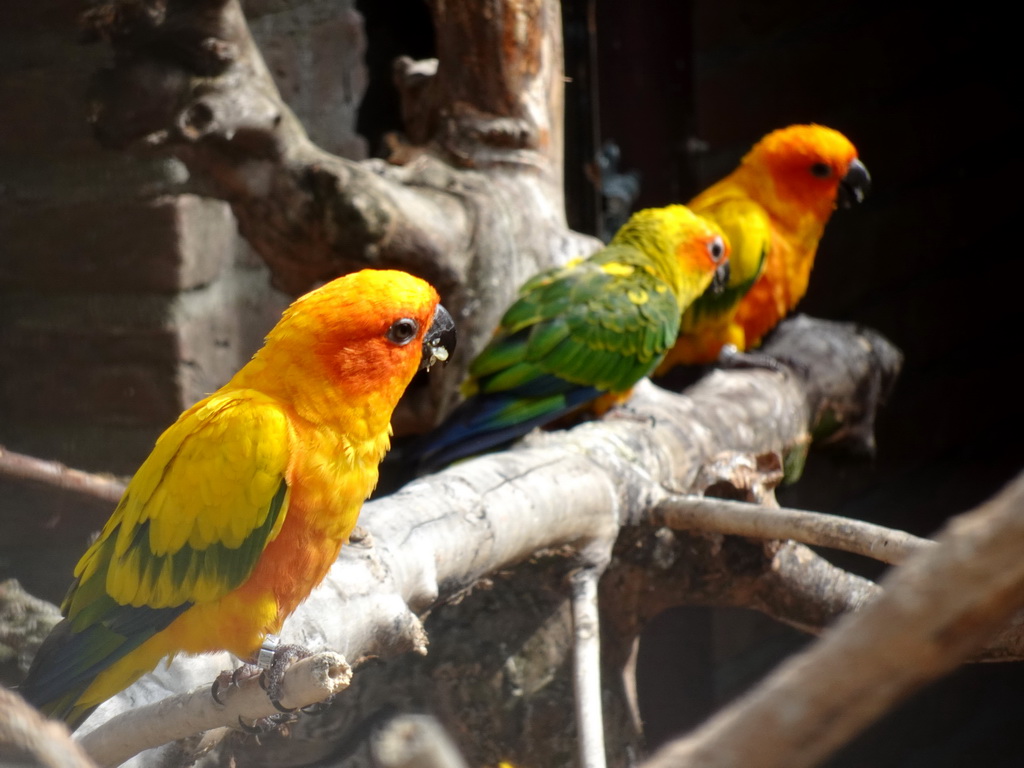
pixel 716 248
pixel 821 170
pixel 403 331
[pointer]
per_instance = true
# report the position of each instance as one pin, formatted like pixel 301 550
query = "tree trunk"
pixel 472 200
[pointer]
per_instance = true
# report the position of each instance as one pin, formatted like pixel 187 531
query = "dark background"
pixel 925 94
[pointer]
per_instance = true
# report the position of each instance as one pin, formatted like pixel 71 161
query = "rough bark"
pixel 24 622
pixel 474 204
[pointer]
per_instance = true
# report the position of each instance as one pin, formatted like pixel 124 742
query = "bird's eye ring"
pixel 402 331
pixel 716 248
pixel 821 170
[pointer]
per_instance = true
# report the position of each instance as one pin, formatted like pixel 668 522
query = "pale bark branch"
pixel 936 610
pixel 572 492
pixel 587 668
pixel 806 591
pixel 765 522
pixel 308 681
pixel 574 489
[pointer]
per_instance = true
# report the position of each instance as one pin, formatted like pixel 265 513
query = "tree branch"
pixel 936 610
pixel 736 518
pixel 21 467
pixel 476 208
pixel 805 591
pixel 574 492
pixel 308 681
pixel 587 668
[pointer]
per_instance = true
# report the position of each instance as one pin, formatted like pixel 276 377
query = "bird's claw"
pixel 272 678
pixel 215 688
pixel 281 707
pixel 265 725
pixel 230 679
pixel 318 707
pixel 255 729
pixel 272 661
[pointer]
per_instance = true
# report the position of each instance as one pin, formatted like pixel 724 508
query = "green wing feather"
pixel 588 328
pixel 601 323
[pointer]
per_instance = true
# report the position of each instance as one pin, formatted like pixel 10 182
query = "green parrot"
pixel 580 336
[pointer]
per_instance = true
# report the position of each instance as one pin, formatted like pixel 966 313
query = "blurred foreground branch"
pixel 935 611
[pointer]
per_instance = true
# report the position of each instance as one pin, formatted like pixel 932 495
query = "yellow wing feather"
pixel 209 484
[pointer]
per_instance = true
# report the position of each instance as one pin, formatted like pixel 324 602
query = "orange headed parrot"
pixel 246 499
pixel 579 333
pixel 773 209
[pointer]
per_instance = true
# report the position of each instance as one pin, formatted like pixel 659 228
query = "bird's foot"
pixel 274 659
pixel 264 725
pixel 319 707
pixel 270 663
pixel 230 678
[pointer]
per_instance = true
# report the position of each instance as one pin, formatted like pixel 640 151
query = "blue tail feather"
pixel 485 422
pixel 68 661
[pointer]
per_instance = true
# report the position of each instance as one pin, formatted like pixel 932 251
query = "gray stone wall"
pixel 124 295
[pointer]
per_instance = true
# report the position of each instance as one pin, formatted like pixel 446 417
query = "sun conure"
pixel 773 209
pixel 244 502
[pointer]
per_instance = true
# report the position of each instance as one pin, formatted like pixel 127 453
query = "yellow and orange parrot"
pixel 773 209
pixel 244 502
pixel 580 336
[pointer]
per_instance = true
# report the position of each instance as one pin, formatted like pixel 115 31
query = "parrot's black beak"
pixel 439 341
pixel 720 279
pixel 855 185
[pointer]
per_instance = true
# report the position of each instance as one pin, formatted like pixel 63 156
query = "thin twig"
pixel 587 668
pixel 308 681
pixel 740 518
pixel 22 467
